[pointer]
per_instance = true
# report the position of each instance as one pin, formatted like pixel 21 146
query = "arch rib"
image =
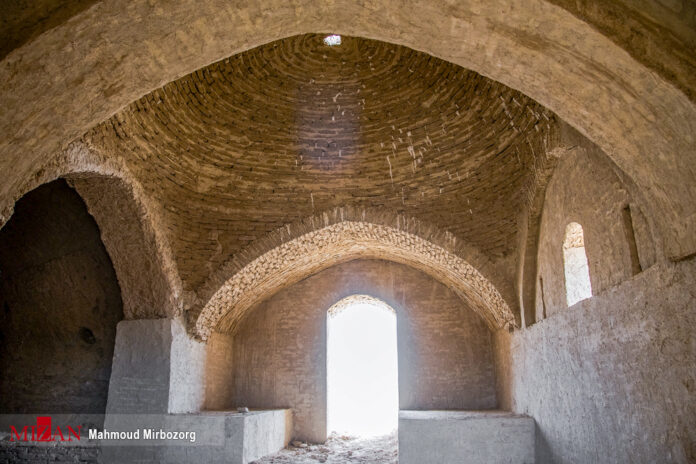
pixel 340 242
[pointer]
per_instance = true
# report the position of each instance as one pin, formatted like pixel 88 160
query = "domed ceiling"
pixel 295 127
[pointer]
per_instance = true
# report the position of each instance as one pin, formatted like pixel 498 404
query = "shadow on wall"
pixel 593 233
pixel 60 302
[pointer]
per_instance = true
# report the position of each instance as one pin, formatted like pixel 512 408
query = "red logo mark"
pixel 43 431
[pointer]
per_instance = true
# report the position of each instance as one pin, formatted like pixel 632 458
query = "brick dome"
pixel 276 134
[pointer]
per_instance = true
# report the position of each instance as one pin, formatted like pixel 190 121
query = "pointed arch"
pixel 358 299
pixel 129 224
pixel 340 236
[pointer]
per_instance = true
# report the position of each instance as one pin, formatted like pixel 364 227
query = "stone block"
pixel 471 437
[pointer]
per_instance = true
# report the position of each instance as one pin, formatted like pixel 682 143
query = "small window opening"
pixel 362 368
pixel 636 267
pixel 577 270
pixel 332 40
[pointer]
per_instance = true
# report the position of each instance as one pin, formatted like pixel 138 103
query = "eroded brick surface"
pixel 340 242
pixel 444 348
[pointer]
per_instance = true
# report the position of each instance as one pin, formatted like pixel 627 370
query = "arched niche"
pixel 148 283
pixel 130 227
pixel 60 302
pixel 616 235
pixel 276 355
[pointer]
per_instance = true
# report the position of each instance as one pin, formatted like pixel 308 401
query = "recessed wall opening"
pixel 577 270
pixel 60 302
pixel 362 368
pixel 627 217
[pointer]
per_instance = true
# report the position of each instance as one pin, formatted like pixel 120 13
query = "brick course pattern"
pixel 341 242
pixel 284 131
pixel 279 350
pixel 97 65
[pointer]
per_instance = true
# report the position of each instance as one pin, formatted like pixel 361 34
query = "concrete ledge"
pixel 253 435
pixel 221 437
pixel 472 437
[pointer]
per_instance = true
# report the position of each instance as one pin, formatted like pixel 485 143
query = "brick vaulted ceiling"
pixel 295 127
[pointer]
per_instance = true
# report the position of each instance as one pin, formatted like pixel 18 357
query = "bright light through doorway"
pixel 362 368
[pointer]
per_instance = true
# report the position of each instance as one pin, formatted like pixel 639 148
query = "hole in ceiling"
pixel 332 40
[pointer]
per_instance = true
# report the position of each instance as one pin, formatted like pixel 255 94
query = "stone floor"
pixel 340 449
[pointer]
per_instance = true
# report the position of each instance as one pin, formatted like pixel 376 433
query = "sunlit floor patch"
pixel 340 449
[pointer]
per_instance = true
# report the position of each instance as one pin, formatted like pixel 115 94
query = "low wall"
pixel 611 379
pixel 473 437
pixel 211 436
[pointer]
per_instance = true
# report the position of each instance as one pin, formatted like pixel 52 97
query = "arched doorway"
pixel 362 367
